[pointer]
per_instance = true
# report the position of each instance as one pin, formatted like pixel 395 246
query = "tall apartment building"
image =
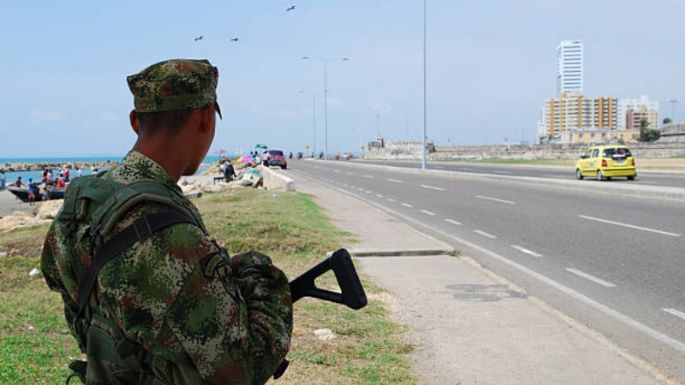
pixel 570 67
pixel 575 112
pixel 632 111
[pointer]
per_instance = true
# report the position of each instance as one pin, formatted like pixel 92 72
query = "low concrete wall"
pixel 274 180
pixel 528 152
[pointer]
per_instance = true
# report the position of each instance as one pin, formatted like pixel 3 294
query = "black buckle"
pixel 142 228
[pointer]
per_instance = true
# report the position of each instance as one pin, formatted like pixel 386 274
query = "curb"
pixel 667 192
pixel 400 253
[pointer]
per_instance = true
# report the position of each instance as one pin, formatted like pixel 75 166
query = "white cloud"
pixel 40 116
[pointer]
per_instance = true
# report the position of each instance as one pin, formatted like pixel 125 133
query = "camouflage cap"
pixel 171 85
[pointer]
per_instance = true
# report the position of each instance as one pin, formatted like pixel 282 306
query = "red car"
pixel 275 158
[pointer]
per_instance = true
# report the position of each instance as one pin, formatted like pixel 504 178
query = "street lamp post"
pixel 425 104
pixel 673 103
pixel 314 120
pixel 325 96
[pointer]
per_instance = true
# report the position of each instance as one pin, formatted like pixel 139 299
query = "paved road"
pixel 643 178
pixel 614 263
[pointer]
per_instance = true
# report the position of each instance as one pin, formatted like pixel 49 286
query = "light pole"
pixel 325 96
pixel 673 103
pixel 314 120
pixel 425 103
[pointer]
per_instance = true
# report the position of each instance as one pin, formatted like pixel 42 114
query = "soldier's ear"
pixel 207 119
pixel 133 119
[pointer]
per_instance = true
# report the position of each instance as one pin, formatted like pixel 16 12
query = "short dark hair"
pixel 173 121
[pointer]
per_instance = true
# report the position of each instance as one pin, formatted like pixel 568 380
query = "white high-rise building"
pixel 570 67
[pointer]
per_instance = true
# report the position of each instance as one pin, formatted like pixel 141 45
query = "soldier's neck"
pixel 163 154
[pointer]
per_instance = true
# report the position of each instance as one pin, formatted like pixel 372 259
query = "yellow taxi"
pixel 606 162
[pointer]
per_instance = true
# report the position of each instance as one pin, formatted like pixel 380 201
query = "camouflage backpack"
pixel 92 206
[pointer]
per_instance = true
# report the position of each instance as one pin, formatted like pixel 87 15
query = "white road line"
pixel 379 195
pixel 407 205
pixel 336 171
pixel 432 187
pixel 675 312
pixel 483 233
pixel 428 212
pixel 495 200
pixel 629 226
pixel 657 335
pixel 394 180
pixel 526 251
pixel 368 191
pixel 452 221
pixel 590 277
pixel 392 200
pixel 369 176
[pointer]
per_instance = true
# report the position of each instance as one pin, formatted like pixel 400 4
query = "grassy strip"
pixel 35 345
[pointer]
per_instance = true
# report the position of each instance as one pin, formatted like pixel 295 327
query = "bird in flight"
pixel 291 8
pixel 199 38
pixel 234 39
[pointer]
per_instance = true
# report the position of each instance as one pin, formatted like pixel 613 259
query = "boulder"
pixel 48 209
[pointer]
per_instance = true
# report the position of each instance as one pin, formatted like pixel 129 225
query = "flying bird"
pixel 234 39
pixel 291 8
pixel 199 38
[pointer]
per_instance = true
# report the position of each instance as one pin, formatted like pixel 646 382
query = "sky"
pixel 491 65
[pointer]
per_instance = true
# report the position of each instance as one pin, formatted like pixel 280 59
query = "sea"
pixel 12 176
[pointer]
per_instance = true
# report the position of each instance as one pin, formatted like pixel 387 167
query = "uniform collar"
pixel 136 166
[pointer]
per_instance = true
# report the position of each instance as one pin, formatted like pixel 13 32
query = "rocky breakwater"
pixel 24 166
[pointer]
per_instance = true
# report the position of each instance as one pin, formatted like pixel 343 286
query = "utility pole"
pixel 378 124
pixel 314 120
pixel 425 104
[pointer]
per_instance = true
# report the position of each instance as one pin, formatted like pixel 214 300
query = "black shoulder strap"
pixel 141 229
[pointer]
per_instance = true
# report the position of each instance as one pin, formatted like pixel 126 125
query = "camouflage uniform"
pixel 202 316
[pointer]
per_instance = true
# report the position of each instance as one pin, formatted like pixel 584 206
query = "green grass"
pixel 35 345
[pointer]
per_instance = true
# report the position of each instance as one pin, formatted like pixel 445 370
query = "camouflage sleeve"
pixel 53 276
pixel 232 318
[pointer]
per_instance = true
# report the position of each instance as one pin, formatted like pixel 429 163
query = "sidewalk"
pixel 469 326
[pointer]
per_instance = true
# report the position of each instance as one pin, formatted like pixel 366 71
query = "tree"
pixel 667 120
pixel 650 135
pixel 644 123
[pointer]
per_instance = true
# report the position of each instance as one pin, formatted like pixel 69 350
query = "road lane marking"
pixel 379 195
pixel 629 226
pixel 336 171
pixel 407 205
pixel 392 200
pixel 428 212
pixel 590 277
pixel 368 176
pixel 655 334
pixel 452 221
pixel 526 251
pixel 432 187
pixel 394 180
pixel 483 233
pixel 495 200
pixel 675 312
pixel 368 191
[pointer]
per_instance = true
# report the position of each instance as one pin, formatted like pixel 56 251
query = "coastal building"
pixel 632 111
pixel 589 137
pixel 570 67
pixel 575 112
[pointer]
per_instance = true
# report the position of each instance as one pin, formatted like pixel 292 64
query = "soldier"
pixel 149 296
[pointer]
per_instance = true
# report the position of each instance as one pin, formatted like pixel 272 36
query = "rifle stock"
pixel 351 290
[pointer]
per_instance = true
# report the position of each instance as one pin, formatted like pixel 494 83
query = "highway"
pixel 614 263
pixel 644 177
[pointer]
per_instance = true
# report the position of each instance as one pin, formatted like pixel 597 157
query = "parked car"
pixel 606 162
pixel 275 158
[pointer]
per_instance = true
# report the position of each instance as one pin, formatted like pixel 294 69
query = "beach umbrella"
pixel 219 151
pixel 263 146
